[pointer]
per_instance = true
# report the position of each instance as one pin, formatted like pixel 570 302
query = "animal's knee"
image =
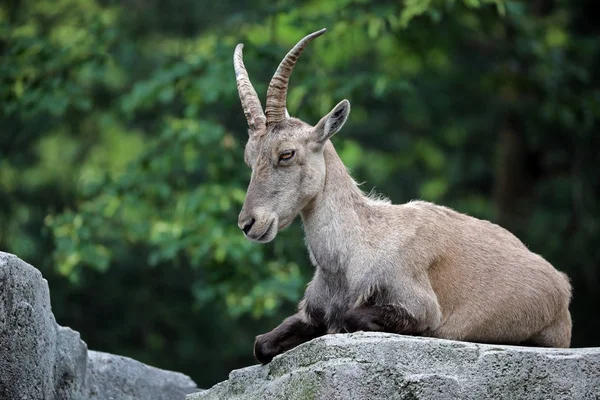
pixel 264 349
pixel 386 318
pixel 261 353
pixel 361 319
pixel 398 319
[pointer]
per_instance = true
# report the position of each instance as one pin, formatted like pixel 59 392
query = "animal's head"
pixel 285 153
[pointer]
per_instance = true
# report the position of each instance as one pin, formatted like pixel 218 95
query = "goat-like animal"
pixel 417 268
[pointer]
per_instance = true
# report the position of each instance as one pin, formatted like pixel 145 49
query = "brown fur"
pixel 416 268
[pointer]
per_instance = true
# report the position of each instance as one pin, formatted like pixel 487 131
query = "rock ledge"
pixel 385 366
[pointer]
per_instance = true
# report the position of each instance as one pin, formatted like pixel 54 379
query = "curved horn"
pixel 277 92
pixel 250 101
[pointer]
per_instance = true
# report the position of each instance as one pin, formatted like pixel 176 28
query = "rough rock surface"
pixel 116 377
pixel 40 360
pixel 385 366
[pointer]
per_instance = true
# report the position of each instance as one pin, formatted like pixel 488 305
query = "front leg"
pixel 381 318
pixel 293 331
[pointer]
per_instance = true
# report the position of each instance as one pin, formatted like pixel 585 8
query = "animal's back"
pixel 490 287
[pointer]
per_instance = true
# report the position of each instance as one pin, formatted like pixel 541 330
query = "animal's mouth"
pixel 265 236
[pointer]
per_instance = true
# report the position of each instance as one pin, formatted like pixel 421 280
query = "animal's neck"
pixel 332 220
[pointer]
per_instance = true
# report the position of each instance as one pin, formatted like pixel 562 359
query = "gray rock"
pixel 27 332
pixel 113 377
pixel 40 360
pixel 385 366
pixel 70 366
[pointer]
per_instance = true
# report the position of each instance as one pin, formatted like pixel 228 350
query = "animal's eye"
pixel 287 155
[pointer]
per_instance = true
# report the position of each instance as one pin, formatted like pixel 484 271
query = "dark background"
pixel 121 150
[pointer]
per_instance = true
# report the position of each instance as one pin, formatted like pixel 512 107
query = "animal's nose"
pixel 248 225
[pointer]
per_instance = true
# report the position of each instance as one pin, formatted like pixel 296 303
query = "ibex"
pixel 417 268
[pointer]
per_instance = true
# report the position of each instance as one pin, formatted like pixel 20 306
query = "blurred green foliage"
pixel 121 149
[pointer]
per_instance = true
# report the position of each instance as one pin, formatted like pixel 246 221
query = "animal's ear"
pixel 332 122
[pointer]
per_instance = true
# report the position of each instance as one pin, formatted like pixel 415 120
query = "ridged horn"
pixel 277 92
pixel 250 101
